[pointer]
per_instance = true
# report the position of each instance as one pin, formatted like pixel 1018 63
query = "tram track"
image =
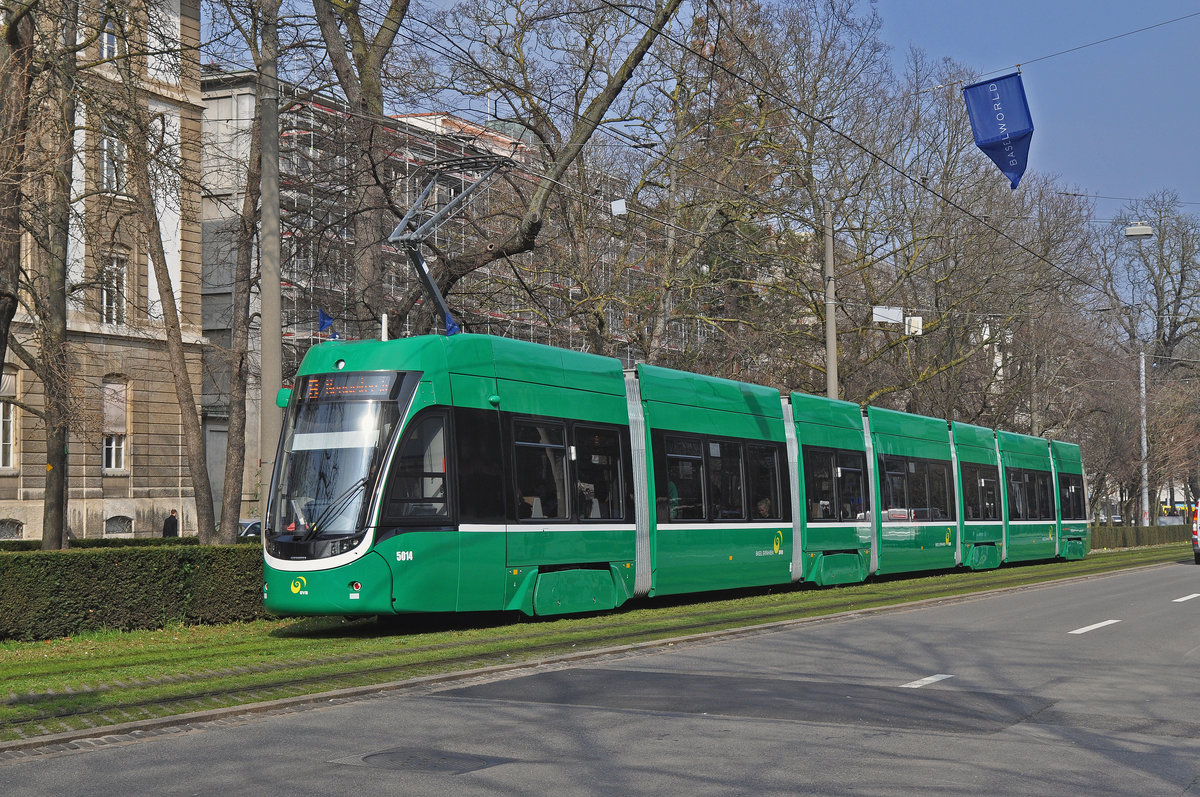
pixel 31 716
pixel 207 696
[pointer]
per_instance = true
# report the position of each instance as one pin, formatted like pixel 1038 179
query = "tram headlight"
pixel 341 546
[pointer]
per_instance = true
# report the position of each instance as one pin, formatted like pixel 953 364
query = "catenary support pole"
pixel 271 341
pixel 831 355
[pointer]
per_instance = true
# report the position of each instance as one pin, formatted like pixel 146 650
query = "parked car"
pixel 249 528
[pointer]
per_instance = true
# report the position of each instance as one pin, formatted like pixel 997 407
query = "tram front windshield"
pixel 333 446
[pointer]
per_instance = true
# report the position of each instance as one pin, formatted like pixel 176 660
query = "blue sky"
pixel 1119 118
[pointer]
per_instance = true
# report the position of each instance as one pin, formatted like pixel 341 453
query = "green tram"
pixel 474 473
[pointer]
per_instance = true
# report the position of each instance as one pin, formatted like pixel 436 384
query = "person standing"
pixel 171 525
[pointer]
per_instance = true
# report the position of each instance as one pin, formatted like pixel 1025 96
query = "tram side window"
pixel 762 482
pixel 979 492
pixel 598 466
pixel 1030 495
pixel 819 490
pixel 916 489
pixel 834 485
pixel 1070 489
pixel 941 503
pixel 715 479
pixel 479 465
pixel 540 465
pixel 417 488
pixel 853 502
pixel 725 480
pixel 1045 496
pixel 894 486
pixel 685 478
pixel 1018 498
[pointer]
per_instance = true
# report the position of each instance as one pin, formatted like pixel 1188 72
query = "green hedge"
pixel 45 594
pixel 20 545
pixel 1137 536
pixel 105 542
pixel 125 542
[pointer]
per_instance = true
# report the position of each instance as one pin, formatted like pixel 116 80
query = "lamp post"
pixel 1139 232
pixel 1145 442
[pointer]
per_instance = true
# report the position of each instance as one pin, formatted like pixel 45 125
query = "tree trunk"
pixel 235 448
pixel 193 433
pixel 55 360
pixel 16 58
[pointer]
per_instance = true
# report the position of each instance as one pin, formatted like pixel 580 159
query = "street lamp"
pixel 1140 232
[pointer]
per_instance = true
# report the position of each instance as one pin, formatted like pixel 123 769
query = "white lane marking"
pixel 1186 597
pixel 933 679
pixel 1087 628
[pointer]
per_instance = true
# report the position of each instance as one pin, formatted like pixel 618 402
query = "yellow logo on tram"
pixel 778 541
pixel 298 583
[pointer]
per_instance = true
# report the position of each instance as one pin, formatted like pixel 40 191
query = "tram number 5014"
pixel 404 556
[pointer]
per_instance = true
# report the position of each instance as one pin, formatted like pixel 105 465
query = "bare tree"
pixel 1153 291
pixel 509 48
pixel 47 221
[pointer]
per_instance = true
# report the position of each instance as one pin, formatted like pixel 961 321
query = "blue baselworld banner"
pixel 1001 122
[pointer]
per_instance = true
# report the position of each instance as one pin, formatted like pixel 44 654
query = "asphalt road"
pixel 1079 688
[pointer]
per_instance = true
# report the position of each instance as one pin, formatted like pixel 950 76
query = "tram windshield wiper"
pixel 334 508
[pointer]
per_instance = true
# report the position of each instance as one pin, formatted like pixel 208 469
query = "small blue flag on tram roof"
pixel 1001 122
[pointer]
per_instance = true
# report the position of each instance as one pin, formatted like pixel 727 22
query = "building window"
pixel 8 419
pixel 115 428
pixel 11 529
pixel 112 159
pixel 118 526
pixel 108 39
pixel 112 291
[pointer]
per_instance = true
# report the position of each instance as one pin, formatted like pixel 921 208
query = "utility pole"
pixel 271 337
pixel 831 356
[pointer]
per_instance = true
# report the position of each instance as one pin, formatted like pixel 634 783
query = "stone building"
pixel 126 461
